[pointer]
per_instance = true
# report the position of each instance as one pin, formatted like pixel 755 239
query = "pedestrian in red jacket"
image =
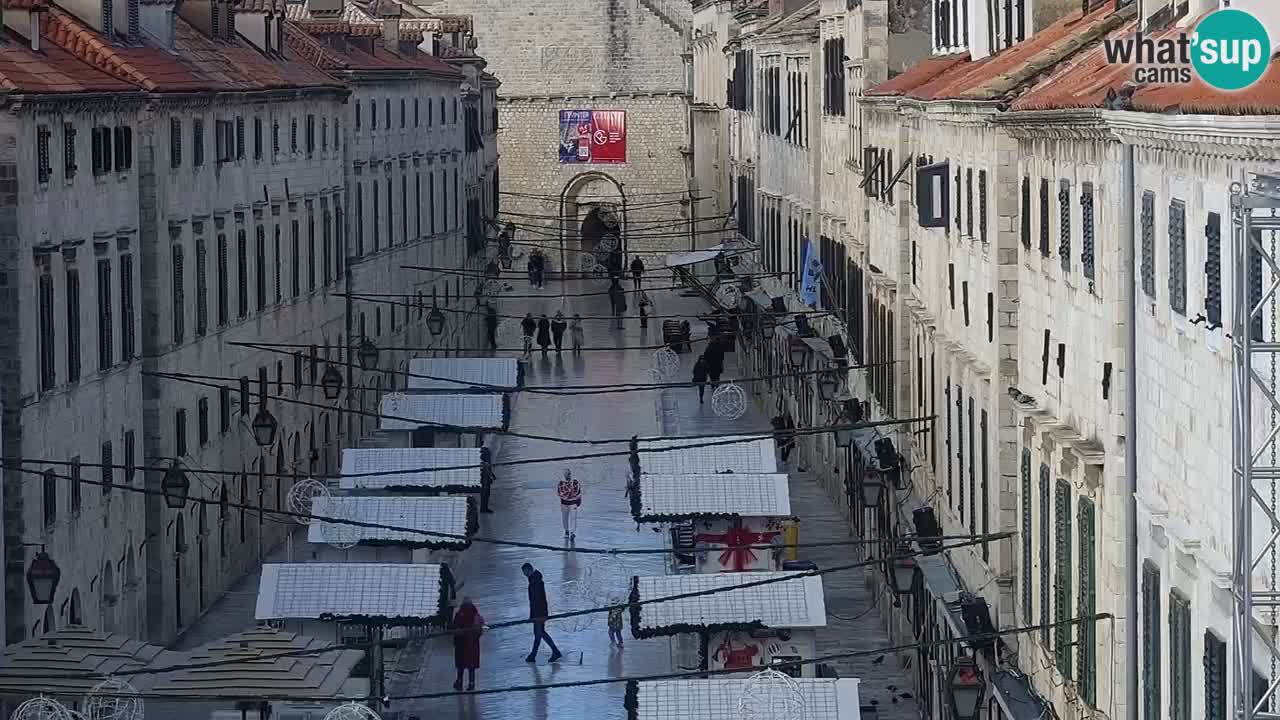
pixel 467 627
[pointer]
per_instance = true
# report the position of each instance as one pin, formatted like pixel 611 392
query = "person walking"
pixel 700 375
pixel 715 362
pixel 531 266
pixel 558 326
pixel 575 330
pixel 570 492
pixel 528 326
pixel 540 268
pixel 467 626
pixel 637 271
pixel 491 326
pixel 645 304
pixel 618 297
pixel 544 333
pixel 486 478
pixel 615 621
pixel 538 613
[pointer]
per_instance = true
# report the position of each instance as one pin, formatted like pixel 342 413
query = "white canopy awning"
pixel 691 258
pixel 475 375
pixel 443 412
pixel 386 468
pixel 378 592
pixel 752 455
pixel 671 497
pixel 448 516
pixel 718 698
pixel 794 603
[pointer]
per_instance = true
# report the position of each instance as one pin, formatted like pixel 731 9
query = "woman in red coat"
pixel 467 626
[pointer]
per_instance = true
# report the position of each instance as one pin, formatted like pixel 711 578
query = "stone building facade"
pixel 154 237
pixel 620 55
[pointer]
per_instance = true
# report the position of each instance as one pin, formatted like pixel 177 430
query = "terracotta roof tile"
pixel 347 56
pixel 1087 83
pixel 1005 74
pixel 918 74
pixel 25 4
pixel 51 71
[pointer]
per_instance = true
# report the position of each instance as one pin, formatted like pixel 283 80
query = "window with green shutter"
pixel 1087 635
pixel 1150 643
pixel 1028 585
pixel 1062 577
pixel 1215 677
pixel 1045 520
pixel 1179 657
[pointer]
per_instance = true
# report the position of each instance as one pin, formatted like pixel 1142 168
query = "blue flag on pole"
pixel 812 276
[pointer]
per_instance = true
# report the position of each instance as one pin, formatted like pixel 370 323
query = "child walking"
pixel 615 622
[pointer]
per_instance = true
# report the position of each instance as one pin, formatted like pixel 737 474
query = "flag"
pixel 812 277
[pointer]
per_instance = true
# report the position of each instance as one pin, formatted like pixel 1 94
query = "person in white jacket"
pixel 570 492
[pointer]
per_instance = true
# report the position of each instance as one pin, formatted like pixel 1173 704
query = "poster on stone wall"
pixel 593 136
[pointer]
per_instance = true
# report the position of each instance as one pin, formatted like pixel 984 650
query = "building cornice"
pixel 636 95
pixel 1240 137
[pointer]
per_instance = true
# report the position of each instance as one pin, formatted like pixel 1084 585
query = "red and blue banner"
pixel 593 136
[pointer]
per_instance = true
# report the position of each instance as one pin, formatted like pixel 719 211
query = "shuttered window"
pixel 1178 257
pixel 77 486
pixel 202 287
pixel 1027 538
pixel 126 308
pixel 982 205
pixel 1179 657
pixel 960 451
pixel 44 166
pixel 242 274
pixel 1255 284
pixel 1062 649
pixel 968 201
pixel 1086 229
pixel 1064 225
pixel 295 266
pixel 1215 678
pixel 175 142
pixel 260 268
pixel 278 261
pixel 1044 217
pixel 239 137
pixel 69 151
pixel 1045 571
pixel 1026 213
pixel 223 278
pixel 1151 630
pixel 106 351
pixel 973 473
pixel 197 142
pixel 1213 270
pixel 1147 220
pixel 985 497
pixel 48 371
pixel 951 484
pixel 179 296
pixel 73 325
pixel 311 247
pixel 1087 633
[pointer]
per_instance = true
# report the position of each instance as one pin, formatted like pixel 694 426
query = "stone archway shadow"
pixel 574 226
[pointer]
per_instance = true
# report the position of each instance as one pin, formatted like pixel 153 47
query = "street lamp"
pixel 175 487
pixel 505 260
pixel 902 571
pixel 367 354
pixel 844 436
pixel 797 352
pixel 491 270
pixel 872 489
pixel 829 385
pixel 435 322
pixel 264 428
pixel 966 686
pixel 767 326
pixel 331 381
pixel 42 578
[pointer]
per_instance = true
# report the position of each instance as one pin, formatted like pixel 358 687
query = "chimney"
pixel 1047 12
pixel 325 9
pixel 388 11
pixel 35 31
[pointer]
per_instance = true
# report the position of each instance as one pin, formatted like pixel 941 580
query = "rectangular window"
pixel 1215 677
pixel 985 492
pixel 106 354
pixel 129 456
pixel 224 278
pixel 1178 258
pixel 179 298
pixel 1062 578
pixel 373 185
pixel 73 325
pixel 404 208
pixel 1044 217
pixel 180 433
pixel 982 205
pixel 44 165
pixel 260 268
pixel 326 235
pixel 49 497
pixel 202 287
pixel 242 274
pixel 277 258
pixel 77 486
pixel 968 201
pixel 311 135
pixel 202 421
pixel 359 220
pixel 311 247
pixel 126 308
pixel 431 198
pixel 257 138
pixel 391 215
pixel 223 141
pixel 387 114
pixel 1064 225
pixel 293 135
pixel 402 113
pixel 295 267
pixel 108 467
pixel 1147 221
pixel 48 373
pixel 68 150
pixel 1046 520
pixel 1213 271
pixel 1151 630
pixel 124 148
pixel 1179 657
pixel 102 145
pixel 1028 540
pixel 1086 631
pixel 275 138
pixel 239 137
pixel 224 409
pixel 951 487
pixel 197 142
pixel 1026 213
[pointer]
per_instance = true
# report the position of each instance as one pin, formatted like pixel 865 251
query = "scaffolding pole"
pixel 1255 210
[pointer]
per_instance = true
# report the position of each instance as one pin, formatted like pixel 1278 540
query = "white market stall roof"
pixel 717 699
pixel 444 413
pixel 794 603
pixel 452 518
pixel 691 258
pixel 357 464
pixel 377 593
pixel 663 498
pixel 473 375
pixel 753 455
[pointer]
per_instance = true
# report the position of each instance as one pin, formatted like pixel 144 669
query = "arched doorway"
pixel 107 600
pixel 593 210
pixel 77 615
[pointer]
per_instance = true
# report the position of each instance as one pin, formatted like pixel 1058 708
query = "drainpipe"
pixel 1131 433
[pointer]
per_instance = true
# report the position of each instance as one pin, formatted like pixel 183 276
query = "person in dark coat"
pixel 558 326
pixel 637 270
pixel 486 478
pixel 528 325
pixel 467 626
pixel 700 375
pixel 539 269
pixel 538 613
pixel 544 333
pixel 491 327
pixel 618 298
pixel 532 267
pixel 714 355
pixel 787 425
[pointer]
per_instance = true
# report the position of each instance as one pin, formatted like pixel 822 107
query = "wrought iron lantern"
pixel 965 688
pixel 43 577
pixel 331 381
pixel 175 487
pixel 872 489
pixel 264 428
pixel 767 326
pixel 798 352
pixel 829 385
pixel 367 354
pixel 435 322
pixel 902 569
pixel 491 270
pixel 844 435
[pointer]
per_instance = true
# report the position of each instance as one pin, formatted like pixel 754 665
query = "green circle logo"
pixel 1231 49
